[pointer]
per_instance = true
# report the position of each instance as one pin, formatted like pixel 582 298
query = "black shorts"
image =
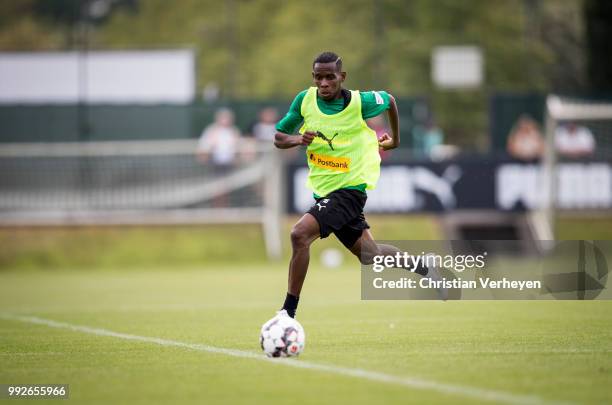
pixel 341 213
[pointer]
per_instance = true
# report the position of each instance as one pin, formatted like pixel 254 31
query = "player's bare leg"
pixel 366 248
pixel 304 232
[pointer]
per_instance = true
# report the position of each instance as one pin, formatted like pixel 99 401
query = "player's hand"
pixel 307 137
pixel 385 142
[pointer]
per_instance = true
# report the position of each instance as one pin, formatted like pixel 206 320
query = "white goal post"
pixel 596 116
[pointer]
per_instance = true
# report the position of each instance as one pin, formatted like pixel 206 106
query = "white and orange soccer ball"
pixel 282 336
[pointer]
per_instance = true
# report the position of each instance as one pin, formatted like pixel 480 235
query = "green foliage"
pixel 264 48
pixel 21 30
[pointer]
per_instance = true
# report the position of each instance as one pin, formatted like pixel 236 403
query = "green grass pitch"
pixel 461 352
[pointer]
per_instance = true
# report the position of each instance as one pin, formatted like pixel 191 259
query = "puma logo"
pixel 325 201
pixel 440 186
pixel 326 139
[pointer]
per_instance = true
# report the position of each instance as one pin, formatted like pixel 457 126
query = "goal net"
pixel 138 183
pixel 576 171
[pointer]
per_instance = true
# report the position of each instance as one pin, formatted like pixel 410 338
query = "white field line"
pixel 410 382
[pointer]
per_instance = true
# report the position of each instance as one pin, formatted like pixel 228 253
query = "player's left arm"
pixel 386 141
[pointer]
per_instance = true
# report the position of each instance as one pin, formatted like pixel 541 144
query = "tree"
pixel 598 16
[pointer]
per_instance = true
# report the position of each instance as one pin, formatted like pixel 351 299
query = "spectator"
pixel 574 141
pixel 525 141
pixel 265 128
pixel 220 140
pixel 433 137
pixel 427 139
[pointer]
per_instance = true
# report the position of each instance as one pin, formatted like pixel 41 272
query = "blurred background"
pixel 138 132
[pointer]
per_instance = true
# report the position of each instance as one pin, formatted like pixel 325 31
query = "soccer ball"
pixel 282 336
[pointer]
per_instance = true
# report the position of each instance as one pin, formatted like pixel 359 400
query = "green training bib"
pixel 345 150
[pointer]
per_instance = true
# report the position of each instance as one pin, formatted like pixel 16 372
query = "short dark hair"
pixel 329 57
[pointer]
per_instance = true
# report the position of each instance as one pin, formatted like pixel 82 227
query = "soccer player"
pixel 344 161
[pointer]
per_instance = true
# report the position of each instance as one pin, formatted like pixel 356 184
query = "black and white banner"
pixel 473 184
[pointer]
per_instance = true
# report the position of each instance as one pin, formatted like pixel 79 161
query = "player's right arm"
pixel 286 141
pixel 283 139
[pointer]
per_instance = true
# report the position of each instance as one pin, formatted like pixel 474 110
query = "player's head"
pixel 327 75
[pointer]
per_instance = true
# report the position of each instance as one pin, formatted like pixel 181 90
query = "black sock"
pixel 421 270
pixel 290 305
